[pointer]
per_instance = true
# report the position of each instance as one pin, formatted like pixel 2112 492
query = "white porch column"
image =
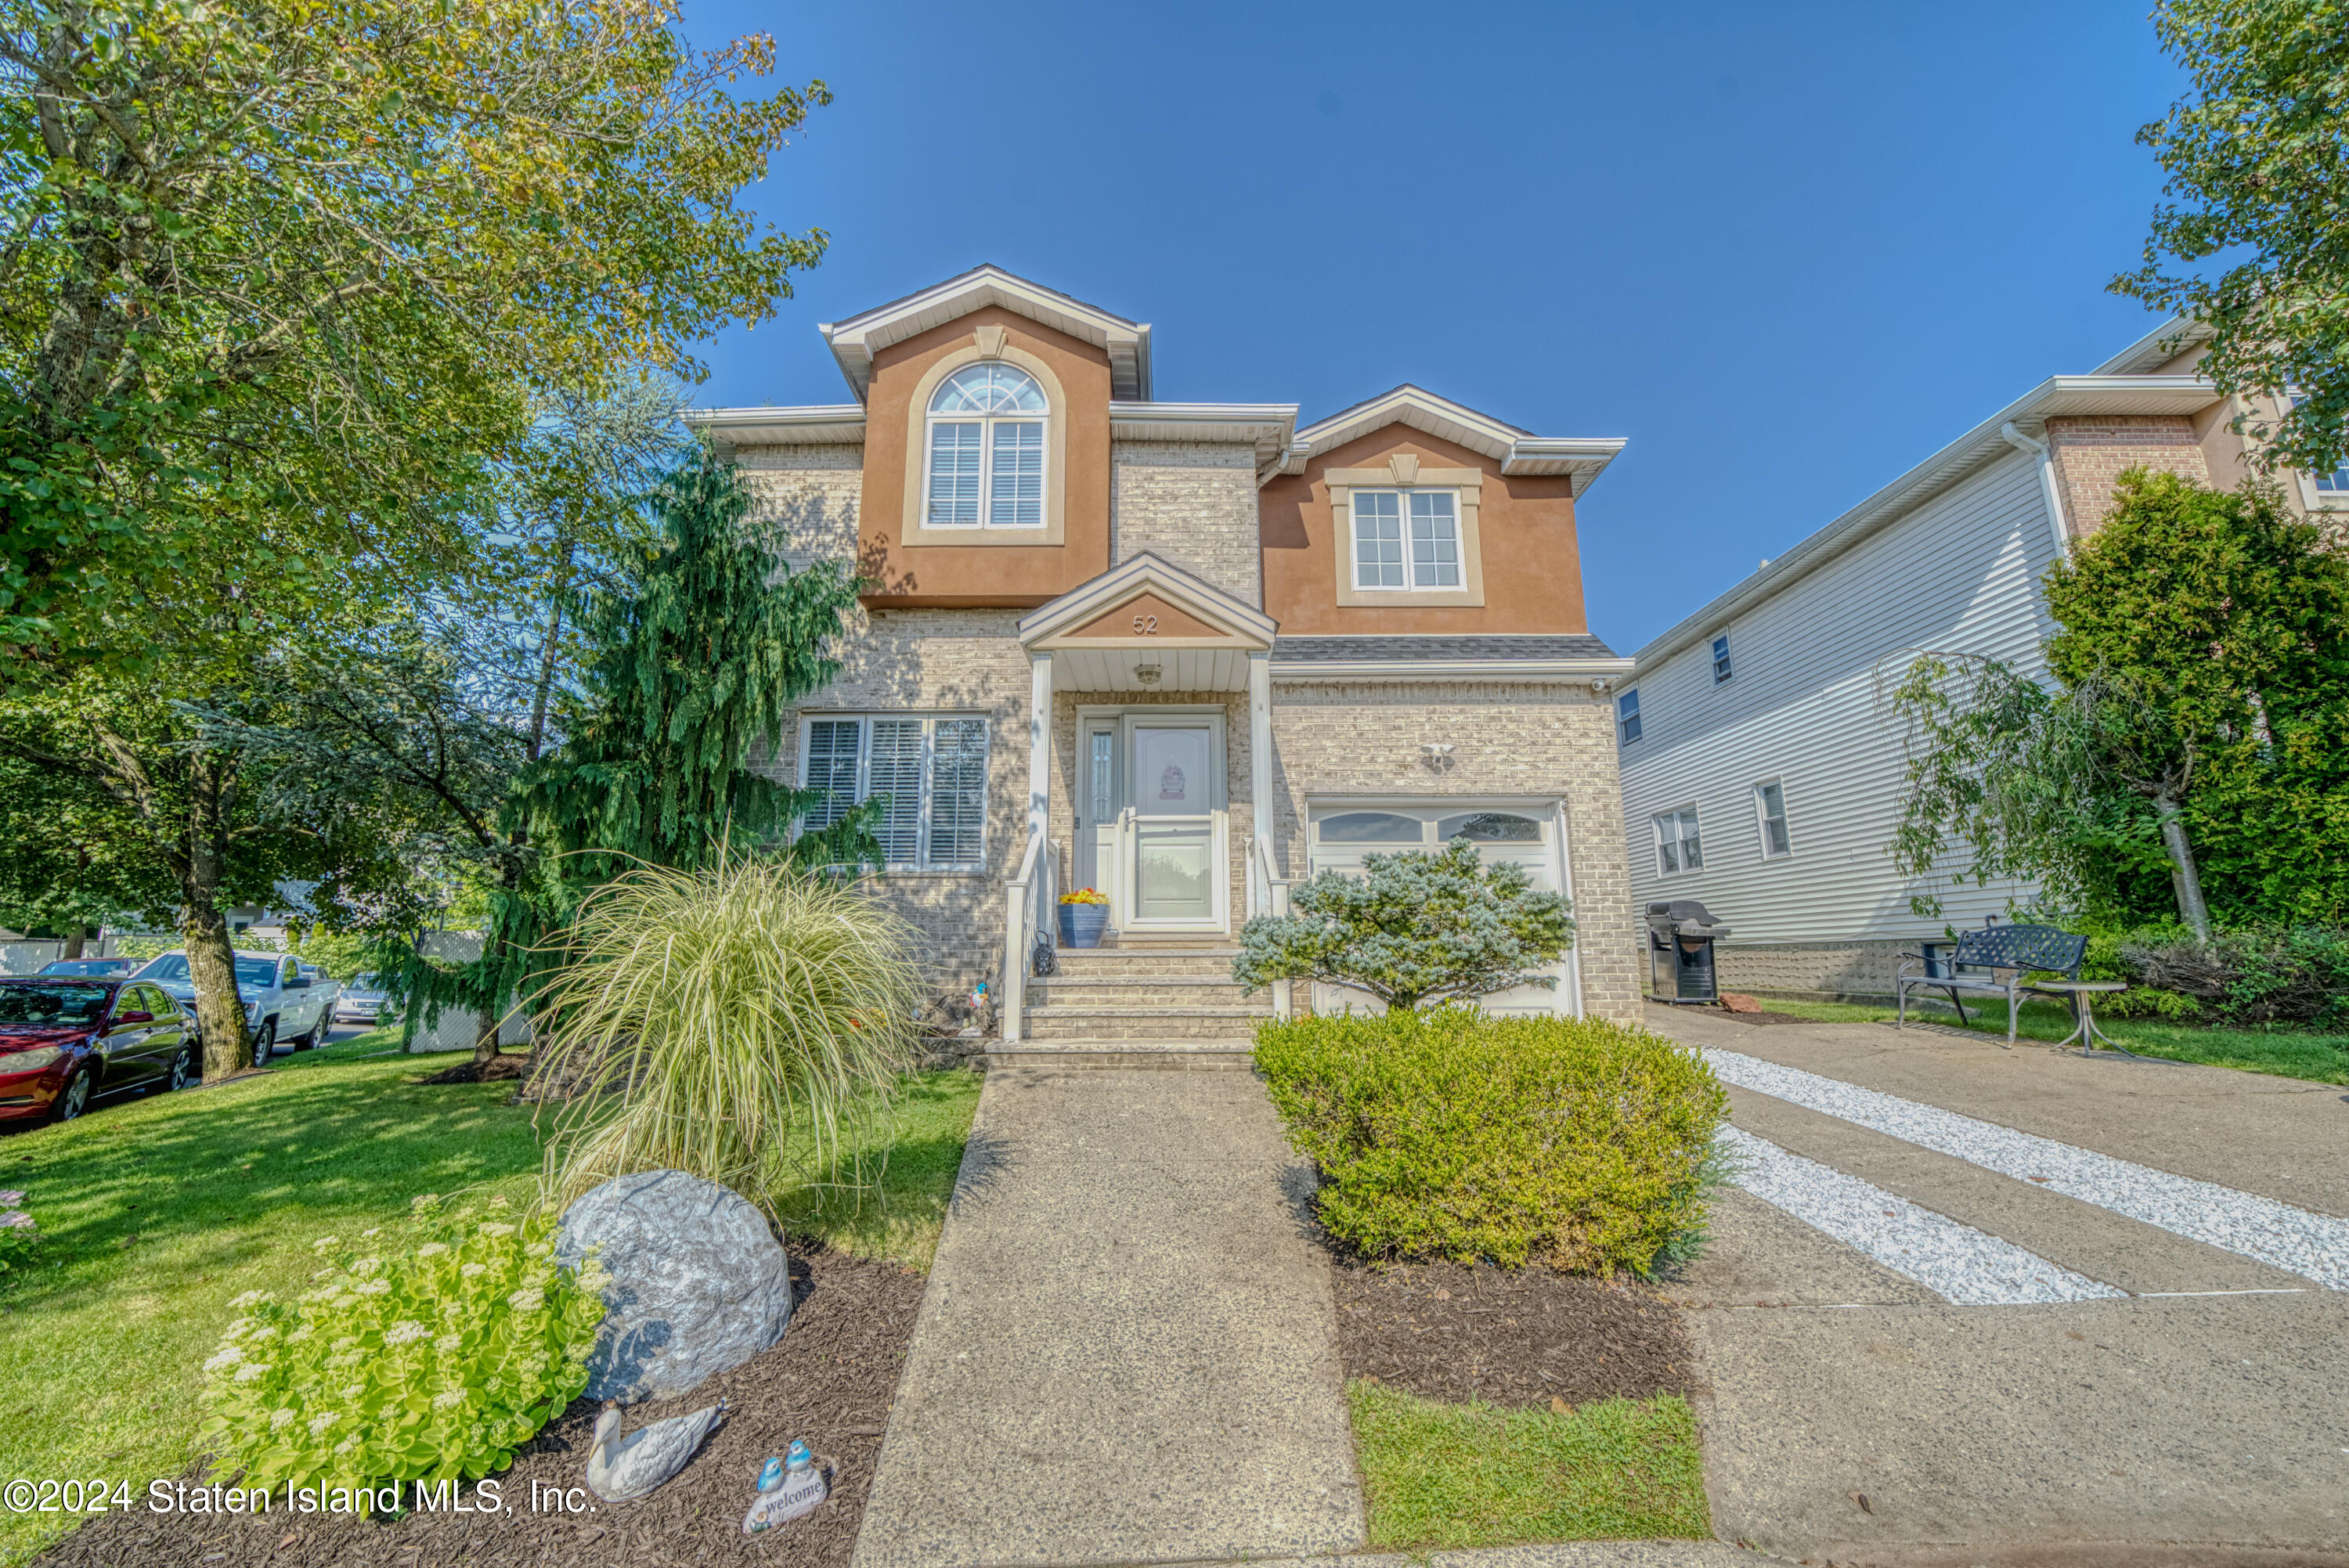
pixel 1039 743
pixel 1261 742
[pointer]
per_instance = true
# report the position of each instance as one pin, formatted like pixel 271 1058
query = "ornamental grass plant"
pixel 1454 1134
pixel 732 1022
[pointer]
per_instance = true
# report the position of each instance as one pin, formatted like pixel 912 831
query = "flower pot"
pixel 1082 925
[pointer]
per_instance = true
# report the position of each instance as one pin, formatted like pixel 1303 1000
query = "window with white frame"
pixel 987 450
pixel 1627 718
pixel 1770 812
pixel 1721 658
pixel 930 771
pixel 1406 539
pixel 1677 849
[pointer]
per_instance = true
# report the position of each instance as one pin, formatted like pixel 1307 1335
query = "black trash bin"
pixel 1679 950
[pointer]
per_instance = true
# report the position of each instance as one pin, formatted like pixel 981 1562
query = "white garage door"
pixel 1344 831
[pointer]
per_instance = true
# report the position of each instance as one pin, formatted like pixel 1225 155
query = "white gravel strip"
pixel 1968 1267
pixel 2314 1246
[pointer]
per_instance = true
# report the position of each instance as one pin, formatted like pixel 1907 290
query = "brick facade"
pixel 1513 739
pixel 943 662
pixel 807 498
pixel 1193 505
pixel 2092 452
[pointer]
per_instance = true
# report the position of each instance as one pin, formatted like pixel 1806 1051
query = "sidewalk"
pixel 1127 1352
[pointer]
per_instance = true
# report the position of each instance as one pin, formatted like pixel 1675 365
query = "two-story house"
pixel 1763 770
pixel 1184 654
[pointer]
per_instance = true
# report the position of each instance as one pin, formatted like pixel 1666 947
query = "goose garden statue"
pixel 621 1470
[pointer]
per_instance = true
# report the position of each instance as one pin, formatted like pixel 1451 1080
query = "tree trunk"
pixel 485 1035
pixel 76 936
pixel 2184 879
pixel 204 927
pixel 219 1013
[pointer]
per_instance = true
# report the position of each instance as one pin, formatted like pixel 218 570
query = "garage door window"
pixel 1489 828
pixel 1372 828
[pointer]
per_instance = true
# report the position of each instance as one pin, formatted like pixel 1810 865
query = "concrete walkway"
pixel 1127 1352
pixel 2194 1415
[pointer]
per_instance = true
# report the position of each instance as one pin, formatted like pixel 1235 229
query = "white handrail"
pixel 1017 922
pixel 1268 893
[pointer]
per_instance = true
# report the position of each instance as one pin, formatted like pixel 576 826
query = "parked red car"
pixel 67 1042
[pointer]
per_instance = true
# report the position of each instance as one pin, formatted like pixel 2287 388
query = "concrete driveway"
pixel 2020 1307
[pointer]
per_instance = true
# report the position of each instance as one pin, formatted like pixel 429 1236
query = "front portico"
pixel 1153 688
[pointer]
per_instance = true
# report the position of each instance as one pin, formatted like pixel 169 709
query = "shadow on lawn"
pixel 219 1174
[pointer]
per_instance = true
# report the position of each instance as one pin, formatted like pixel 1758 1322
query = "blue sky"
pixel 1788 250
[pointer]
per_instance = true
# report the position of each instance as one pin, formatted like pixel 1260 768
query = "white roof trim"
pixel 1448 669
pixel 856 341
pixel 1087 600
pixel 1580 458
pixel 2057 396
pixel 824 424
pixel 1267 427
pixel 2159 346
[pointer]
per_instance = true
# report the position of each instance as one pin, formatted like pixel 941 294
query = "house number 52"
pixel 1145 625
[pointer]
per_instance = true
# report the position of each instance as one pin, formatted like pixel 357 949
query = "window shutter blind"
pixel 832 767
pixel 958 792
pixel 895 771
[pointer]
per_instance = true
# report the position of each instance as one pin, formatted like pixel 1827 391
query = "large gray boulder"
pixel 698 1286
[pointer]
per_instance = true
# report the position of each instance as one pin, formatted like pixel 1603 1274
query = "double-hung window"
pixel 1627 718
pixel 1677 849
pixel 1406 539
pixel 1721 658
pixel 985 467
pixel 2336 483
pixel 930 772
pixel 1770 811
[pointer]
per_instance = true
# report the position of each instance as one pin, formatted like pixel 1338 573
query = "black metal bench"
pixel 2013 951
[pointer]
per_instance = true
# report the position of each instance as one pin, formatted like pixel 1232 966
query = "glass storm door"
pixel 1170 776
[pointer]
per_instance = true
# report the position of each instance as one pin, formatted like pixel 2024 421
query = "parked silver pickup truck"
pixel 280 1001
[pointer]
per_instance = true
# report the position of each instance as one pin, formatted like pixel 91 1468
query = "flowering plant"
pixel 431 1357
pixel 1084 895
pixel 18 1234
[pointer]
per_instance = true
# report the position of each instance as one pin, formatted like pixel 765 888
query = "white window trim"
pixel 1638 712
pixel 932 420
pixel 1762 819
pixel 929 721
pixel 1410 584
pixel 1404 473
pixel 1719 650
pixel 1656 837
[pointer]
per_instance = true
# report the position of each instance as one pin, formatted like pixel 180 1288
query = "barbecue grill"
pixel 1679 950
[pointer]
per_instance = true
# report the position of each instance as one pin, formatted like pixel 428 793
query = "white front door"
pixel 1153 830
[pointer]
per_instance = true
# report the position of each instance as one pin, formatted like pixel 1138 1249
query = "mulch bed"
pixel 1767 1017
pixel 503 1066
pixel 830 1381
pixel 1511 1337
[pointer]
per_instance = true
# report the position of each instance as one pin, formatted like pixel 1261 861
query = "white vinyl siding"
pixel 932 772
pixel 1809 711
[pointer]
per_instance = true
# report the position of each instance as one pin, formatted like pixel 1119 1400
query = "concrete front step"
pixel 1201 961
pixel 1227 1053
pixel 1141 1023
pixel 1141 991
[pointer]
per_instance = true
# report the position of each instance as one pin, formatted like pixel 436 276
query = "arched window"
pixel 987 449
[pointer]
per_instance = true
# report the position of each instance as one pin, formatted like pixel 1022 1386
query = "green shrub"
pixel 1454 1134
pixel 430 1360
pixel 2252 975
pixel 1415 927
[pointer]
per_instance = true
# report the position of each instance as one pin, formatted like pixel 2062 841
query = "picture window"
pixel 931 770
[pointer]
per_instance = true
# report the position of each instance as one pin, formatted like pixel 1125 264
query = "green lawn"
pixel 1444 1476
pixel 902 1164
pixel 2289 1053
pixel 158 1210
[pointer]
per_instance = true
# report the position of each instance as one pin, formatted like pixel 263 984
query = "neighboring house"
pixel 1762 772
pixel 1182 653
